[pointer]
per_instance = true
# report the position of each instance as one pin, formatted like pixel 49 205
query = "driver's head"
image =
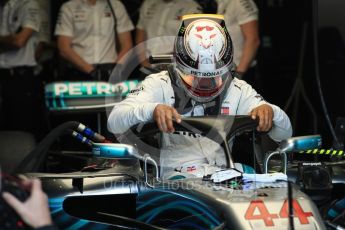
pixel 203 56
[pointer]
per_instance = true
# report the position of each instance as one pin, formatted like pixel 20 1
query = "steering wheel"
pixel 221 129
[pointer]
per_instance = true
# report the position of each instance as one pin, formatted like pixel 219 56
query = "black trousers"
pixel 22 104
pixel 103 72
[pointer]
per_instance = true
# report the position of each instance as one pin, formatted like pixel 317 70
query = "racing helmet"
pixel 203 56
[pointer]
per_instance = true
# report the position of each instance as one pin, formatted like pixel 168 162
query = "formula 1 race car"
pixel 120 187
pixel 111 185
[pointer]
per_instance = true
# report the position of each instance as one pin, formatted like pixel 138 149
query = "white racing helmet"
pixel 203 56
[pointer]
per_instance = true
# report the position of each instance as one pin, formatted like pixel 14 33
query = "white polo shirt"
pixel 236 13
pixel 15 15
pixel 92 28
pixel 163 18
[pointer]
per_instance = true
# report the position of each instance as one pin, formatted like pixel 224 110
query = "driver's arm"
pixel 138 106
pixel 251 102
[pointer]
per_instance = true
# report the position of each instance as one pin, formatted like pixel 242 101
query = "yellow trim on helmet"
pixel 189 16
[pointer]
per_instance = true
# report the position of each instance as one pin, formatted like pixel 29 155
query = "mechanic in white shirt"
pixel 44 36
pixel 20 23
pixel 160 19
pixel 241 18
pixel 199 83
pixel 19 27
pixel 87 37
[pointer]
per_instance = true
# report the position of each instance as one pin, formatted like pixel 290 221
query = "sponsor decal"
pixel 258 96
pixel 225 108
pixel 312 164
pixel 188 134
pixel 96 151
pixel 207 43
pixel 258 210
pixel 207 74
pixel 237 87
pixel 225 111
pixel 89 89
pixel 136 91
pixel 79 17
pixel 191 168
pixel 166 80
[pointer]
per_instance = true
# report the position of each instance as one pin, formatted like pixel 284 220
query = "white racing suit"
pixel 184 152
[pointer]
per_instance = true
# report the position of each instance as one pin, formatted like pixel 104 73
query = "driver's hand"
pixel 164 116
pixel 265 114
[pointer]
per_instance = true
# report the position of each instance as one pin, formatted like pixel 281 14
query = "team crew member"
pixel 241 18
pixel 87 37
pixel 200 83
pixel 19 27
pixel 161 18
pixel 44 36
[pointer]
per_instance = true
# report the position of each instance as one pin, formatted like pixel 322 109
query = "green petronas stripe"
pixel 323 151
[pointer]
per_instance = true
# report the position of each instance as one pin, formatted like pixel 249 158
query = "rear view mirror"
pixel 123 151
pixel 293 144
pixel 301 143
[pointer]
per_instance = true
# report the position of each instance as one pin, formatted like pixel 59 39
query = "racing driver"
pixel 200 82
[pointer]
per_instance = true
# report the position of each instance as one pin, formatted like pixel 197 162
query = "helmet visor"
pixel 204 87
